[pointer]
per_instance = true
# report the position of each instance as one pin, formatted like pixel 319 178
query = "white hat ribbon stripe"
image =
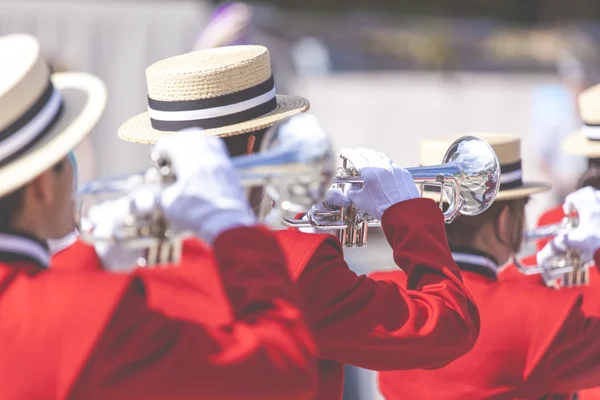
pixel 215 112
pixel 592 132
pixel 31 126
pixel 509 177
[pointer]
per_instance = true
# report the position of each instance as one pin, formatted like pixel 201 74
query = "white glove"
pixel 105 219
pixel 333 199
pixel 385 183
pixel 585 239
pixel 206 198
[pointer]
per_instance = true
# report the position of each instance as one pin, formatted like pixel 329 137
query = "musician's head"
pixel 43 207
pixel 43 116
pixel 498 231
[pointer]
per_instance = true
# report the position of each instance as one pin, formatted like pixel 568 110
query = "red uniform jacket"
pixel 97 335
pixel 591 298
pixel 534 340
pixel 426 323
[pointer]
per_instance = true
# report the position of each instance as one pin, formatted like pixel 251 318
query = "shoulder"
pixel 77 257
pixel 59 317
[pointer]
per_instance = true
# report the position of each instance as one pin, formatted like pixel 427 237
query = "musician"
pixel 426 323
pixel 534 340
pixel 93 334
pixel 583 142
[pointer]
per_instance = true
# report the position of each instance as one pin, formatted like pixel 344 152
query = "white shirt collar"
pixel 15 246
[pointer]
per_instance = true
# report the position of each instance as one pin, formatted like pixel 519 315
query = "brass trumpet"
pixel 566 270
pixel 297 166
pixel 468 180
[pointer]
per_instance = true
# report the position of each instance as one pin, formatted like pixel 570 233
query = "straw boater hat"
pixel 225 91
pixel 508 151
pixel 586 140
pixel 42 117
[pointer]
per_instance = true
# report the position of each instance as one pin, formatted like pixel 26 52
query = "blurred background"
pixel 381 74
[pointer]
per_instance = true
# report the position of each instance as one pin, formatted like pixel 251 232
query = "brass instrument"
pixel 297 167
pixel 566 270
pixel 468 180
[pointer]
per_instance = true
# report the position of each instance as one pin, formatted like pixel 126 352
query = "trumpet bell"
pixel 478 171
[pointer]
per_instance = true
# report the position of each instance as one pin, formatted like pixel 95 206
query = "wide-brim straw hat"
pixel 507 149
pixel 42 117
pixel 225 91
pixel 586 140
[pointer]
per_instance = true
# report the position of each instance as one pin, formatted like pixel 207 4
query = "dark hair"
pixel 591 177
pixel 238 145
pixel 463 230
pixel 11 204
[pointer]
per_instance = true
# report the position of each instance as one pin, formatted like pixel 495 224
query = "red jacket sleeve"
pixel 381 324
pixel 265 352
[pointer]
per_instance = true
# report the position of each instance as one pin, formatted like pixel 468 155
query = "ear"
pixel 505 224
pixel 42 187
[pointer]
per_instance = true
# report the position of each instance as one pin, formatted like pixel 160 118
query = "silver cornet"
pixel 468 180
pixel 298 167
pixel 566 270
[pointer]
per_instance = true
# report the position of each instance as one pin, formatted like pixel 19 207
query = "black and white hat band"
pixel 592 132
pixel 217 112
pixel 511 176
pixel 32 126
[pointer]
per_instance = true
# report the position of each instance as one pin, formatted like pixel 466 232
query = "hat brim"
pixel 84 98
pixel 578 144
pixel 139 128
pixel 523 191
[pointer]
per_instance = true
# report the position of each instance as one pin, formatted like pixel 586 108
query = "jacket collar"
pixel 477 261
pixel 17 246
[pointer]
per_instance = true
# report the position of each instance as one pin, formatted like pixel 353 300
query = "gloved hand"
pixel 105 218
pixel 585 239
pixel 333 199
pixel 385 183
pixel 207 197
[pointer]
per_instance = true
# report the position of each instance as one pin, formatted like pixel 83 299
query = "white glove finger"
pixel 185 146
pixel 581 200
pixel 336 198
pixel 143 200
pixel 106 210
pixel 373 157
pixel 409 189
pixel 560 243
pixel 355 194
pixel 358 161
pixel 168 142
pixel 546 253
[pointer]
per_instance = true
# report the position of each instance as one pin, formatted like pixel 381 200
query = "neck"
pixel 30 223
